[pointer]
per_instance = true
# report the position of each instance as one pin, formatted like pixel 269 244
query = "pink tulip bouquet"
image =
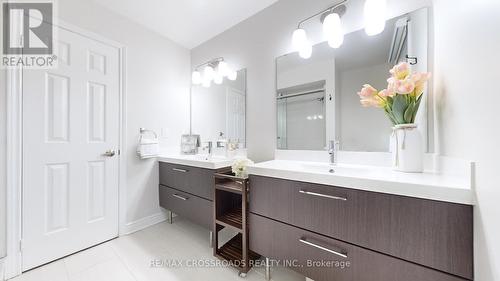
pixel 402 97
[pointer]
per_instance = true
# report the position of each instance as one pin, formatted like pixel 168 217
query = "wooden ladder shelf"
pixel 230 211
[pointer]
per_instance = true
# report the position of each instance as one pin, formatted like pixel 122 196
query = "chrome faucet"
pixel 209 146
pixel 333 149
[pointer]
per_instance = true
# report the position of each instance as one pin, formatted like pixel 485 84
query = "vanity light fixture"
pixel 196 77
pixel 374 14
pixel 213 71
pixel 332 30
pixel 232 75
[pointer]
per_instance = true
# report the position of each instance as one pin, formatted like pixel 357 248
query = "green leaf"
pixel 390 101
pixel 389 114
pixel 409 113
pixel 416 107
pixel 398 108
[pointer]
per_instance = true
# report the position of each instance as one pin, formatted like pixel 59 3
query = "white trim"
pixel 13 260
pixel 2 270
pixel 122 212
pixel 145 222
pixel 14 172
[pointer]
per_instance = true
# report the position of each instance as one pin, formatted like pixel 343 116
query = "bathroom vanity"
pixel 186 186
pixel 302 214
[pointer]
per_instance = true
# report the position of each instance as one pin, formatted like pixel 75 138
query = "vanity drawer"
pixel 430 233
pixel 197 181
pixel 287 243
pixel 192 207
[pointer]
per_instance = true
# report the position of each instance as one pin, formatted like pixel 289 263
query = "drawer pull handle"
pixel 323 195
pixel 180 170
pixel 323 248
pixel 180 197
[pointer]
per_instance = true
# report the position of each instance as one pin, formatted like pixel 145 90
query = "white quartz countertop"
pixel 198 160
pixel 434 186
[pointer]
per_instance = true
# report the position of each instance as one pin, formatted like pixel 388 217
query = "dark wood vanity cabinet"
pixel 188 191
pixel 386 237
pixel 194 180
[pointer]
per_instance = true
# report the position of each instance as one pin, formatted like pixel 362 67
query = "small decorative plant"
pixel 239 167
pixel 401 100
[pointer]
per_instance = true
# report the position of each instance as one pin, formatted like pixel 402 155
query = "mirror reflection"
pixel 317 98
pixel 218 111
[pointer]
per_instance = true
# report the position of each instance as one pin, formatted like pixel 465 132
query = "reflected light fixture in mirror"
pixel 374 12
pixel 301 44
pixel 196 77
pixel 213 71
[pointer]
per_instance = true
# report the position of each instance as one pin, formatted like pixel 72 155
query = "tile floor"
pixel 129 258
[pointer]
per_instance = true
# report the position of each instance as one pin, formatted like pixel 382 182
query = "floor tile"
pixel 83 260
pixel 163 252
pixel 54 271
pixel 112 270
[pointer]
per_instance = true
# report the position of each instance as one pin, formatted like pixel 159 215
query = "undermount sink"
pixel 333 169
pixel 197 160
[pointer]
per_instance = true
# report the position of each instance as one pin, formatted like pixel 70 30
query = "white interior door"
pixel 70 119
pixel 235 119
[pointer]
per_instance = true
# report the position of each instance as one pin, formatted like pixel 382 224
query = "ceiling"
pixel 187 22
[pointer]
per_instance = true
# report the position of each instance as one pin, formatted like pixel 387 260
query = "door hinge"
pixel 20 245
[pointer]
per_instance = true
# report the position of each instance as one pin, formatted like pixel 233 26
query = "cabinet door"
pixel 196 181
pixel 324 259
pixel 186 205
pixel 431 233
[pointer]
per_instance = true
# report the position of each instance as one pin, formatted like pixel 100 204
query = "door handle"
pixel 109 153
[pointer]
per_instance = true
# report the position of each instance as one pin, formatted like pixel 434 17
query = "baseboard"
pixel 143 223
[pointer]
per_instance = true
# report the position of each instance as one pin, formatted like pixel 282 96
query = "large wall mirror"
pixel 218 111
pixel 317 98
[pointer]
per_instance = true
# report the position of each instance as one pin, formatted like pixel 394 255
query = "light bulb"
pixel 208 73
pixel 374 13
pixel 306 51
pixel 223 69
pixel 299 39
pixel 196 78
pixel 217 78
pixel 332 29
pixel 232 75
pixel 206 82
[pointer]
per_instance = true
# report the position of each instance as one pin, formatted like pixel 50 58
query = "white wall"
pixel 357 123
pixel 468 97
pixel 257 41
pixel 158 79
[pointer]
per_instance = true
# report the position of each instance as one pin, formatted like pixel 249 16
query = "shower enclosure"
pixel 301 118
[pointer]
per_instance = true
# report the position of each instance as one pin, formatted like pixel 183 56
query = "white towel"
pixel 148 147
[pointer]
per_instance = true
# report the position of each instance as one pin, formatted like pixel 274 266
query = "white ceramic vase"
pixel 407 149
